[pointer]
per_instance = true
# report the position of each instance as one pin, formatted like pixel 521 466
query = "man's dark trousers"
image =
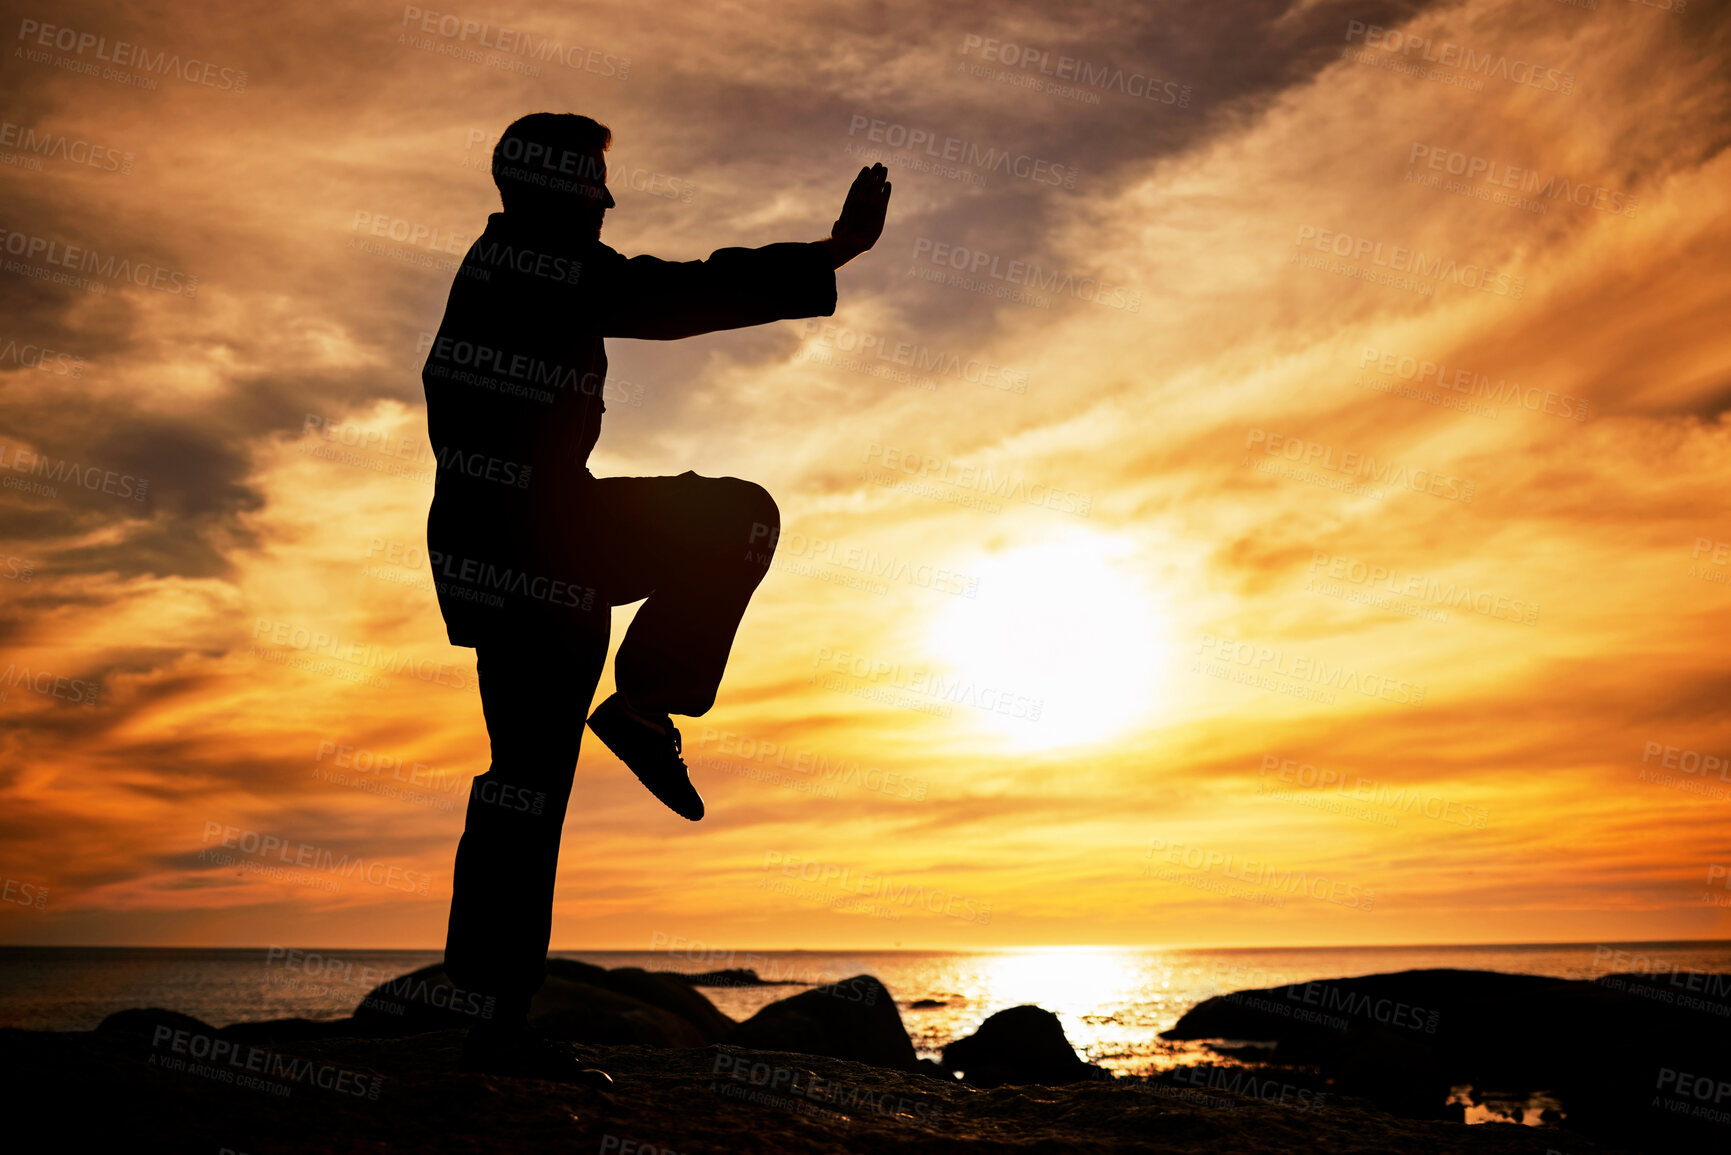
pixel 696 547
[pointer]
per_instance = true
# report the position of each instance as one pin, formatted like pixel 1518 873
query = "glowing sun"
pixel 1064 626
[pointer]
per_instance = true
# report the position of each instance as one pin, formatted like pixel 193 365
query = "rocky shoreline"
pixel 1637 1059
pixel 1349 1065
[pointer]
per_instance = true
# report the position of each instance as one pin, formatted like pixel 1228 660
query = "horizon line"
pixel 709 948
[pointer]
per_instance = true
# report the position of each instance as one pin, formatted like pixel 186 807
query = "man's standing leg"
pixel 534 696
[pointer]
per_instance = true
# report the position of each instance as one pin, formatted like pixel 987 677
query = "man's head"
pixel 550 166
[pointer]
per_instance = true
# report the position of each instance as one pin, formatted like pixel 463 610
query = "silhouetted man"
pixel 530 550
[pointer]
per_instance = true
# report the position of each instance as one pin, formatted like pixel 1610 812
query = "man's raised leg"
pixel 697 547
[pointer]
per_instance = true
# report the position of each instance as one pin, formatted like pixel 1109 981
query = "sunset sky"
pixel 1267 486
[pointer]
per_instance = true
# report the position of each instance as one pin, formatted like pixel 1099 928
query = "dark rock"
pixel 1603 1048
pixel 290 1030
pixel 935 1071
pixel 94 1093
pixel 1400 1074
pixel 1022 1045
pixel 852 1019
pixel 577 971
pixel 1307 1018
pixel 660 989
pixel 1295 1088
pixel 578 1002
pixel 926 1004
pixel 733 977
pixel 145 1020
pixel 417 1002
pixel 581 1013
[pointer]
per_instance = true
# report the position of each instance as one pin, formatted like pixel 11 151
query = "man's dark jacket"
pixel 514 402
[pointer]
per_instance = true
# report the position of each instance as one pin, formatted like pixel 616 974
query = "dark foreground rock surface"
pixel 146 1091
pixel 1634 1059
pixel 1345 1065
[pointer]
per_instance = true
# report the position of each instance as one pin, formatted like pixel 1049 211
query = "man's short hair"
pixel 544 158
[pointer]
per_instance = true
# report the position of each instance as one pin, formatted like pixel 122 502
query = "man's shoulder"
pixel 509 259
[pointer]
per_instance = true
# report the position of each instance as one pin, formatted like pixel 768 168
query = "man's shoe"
pixel 527 1055
pixel 650 747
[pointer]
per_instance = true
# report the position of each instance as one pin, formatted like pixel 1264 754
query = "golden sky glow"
pixel 1267 486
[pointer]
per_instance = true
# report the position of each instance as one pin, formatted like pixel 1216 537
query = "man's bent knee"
pixel 695 706
pixel 751 505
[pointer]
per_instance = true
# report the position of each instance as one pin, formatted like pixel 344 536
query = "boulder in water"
pixel 145 1020
pixel 578 1002
pixel 732 977
pixel 420 1001
pixel 659 989
pixel 852 1019
pixel 1022 1045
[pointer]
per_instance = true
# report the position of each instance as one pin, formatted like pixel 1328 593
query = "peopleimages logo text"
pixel 87 260
pixel 126 55
pixel 1451 55
pixel 516 42
pixel 958 150
pixel 1401 259
pixel 1390 474
pixel 1142 85
pixel 253 842
pixel 977 262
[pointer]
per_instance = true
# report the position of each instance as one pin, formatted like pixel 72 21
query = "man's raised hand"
pixel 862 215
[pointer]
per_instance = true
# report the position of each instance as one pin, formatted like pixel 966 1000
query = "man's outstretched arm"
pixel 649 298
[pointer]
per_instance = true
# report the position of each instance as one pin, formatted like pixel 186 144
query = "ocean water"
pixel 1113 1001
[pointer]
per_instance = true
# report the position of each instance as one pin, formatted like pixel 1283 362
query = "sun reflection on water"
pixel 1112 1001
